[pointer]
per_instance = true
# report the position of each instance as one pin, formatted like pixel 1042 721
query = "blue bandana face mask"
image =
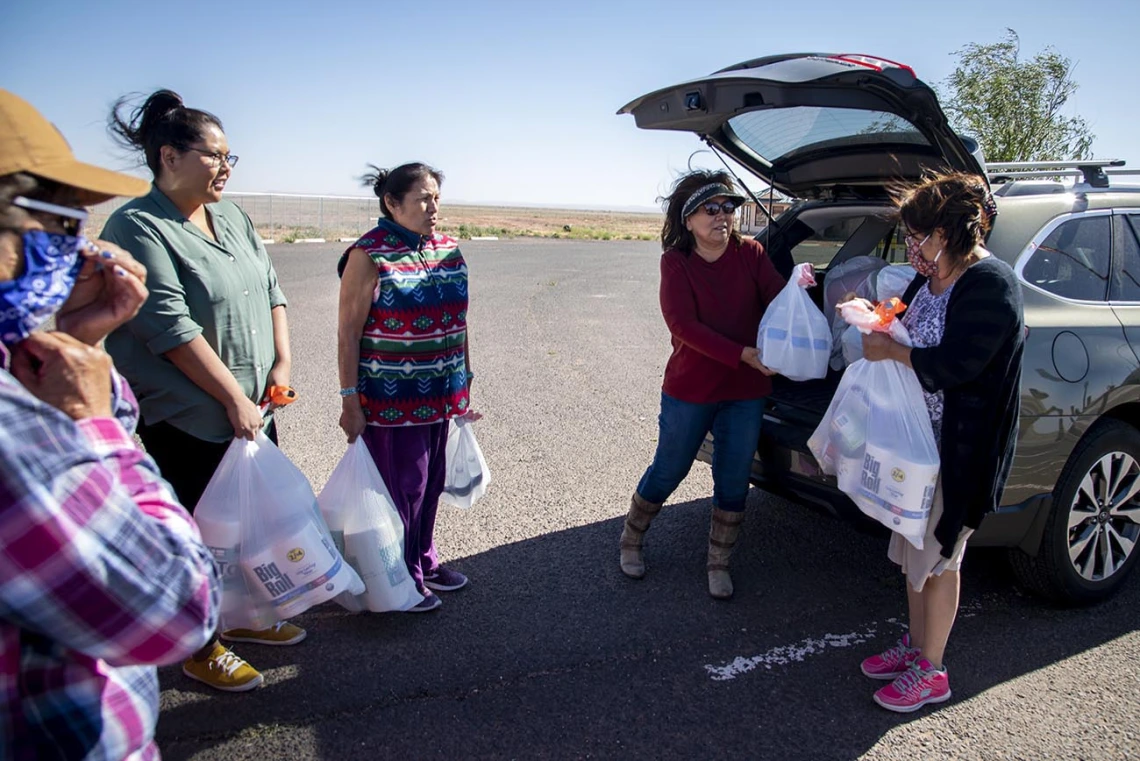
pixel 52 263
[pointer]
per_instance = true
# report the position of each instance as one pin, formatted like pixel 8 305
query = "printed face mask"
pixel 52 263
pixel 914 255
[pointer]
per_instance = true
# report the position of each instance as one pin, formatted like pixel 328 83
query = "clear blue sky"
pixel 514 101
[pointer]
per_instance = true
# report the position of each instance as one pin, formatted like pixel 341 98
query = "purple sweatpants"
pixel 411 460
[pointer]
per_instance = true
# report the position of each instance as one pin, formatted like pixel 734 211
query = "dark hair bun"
pixel 376 179
pixel 162 119
pixel 162 102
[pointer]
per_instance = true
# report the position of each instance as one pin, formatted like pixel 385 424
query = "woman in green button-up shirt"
pixel 212 336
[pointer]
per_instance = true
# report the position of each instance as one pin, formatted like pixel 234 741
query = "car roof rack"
pixel 1095 172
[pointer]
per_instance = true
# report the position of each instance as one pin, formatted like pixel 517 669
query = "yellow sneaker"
pixel 281 633
pixel 223 671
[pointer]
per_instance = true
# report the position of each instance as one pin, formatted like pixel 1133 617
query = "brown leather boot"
pixel 641 514
pixel 724 529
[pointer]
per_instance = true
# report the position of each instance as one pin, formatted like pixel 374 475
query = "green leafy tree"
pixel 1012 106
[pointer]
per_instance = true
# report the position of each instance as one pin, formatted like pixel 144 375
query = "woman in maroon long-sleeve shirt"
pixel 715 286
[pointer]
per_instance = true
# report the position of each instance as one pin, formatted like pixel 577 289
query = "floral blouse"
pixel 925 321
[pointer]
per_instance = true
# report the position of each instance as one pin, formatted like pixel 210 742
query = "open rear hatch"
pixel 814 125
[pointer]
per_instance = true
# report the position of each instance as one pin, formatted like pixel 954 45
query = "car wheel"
pixel 1091 536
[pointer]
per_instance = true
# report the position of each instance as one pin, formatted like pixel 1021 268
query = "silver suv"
pixel 835 131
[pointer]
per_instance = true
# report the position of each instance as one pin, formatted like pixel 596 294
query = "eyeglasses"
pixel 70 220
pixel 712 208
pixel 911 239
pixel 216 159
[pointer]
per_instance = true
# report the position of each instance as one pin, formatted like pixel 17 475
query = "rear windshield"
pixel 779 133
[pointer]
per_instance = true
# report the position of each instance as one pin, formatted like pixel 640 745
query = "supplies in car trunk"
pixel 864 277
pixel 876 438
pixel 794 338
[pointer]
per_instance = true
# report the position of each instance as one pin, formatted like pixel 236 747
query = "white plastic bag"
pixel 467 474
pixel 260 519
pixel 877 440
pixel 854 276
pixel 851 342
pixel 363 520
pixel 794 338
pixel 892 281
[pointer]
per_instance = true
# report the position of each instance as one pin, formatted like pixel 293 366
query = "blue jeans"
pixel 682 427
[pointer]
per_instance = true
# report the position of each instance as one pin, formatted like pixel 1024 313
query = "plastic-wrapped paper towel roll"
pixel 297 573
pixel 223 539
pixel 377 555
pixel 903 488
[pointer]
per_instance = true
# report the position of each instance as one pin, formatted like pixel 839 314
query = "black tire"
pixel 1053 573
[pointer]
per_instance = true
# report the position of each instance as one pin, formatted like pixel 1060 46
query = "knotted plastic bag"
pixel 467 476
pixel 794 338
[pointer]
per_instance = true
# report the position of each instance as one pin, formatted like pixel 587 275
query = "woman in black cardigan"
pixel 965 320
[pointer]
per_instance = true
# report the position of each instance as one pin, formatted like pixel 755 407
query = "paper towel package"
pixel 902 488
pixel 222 537
pixel 377 554
pixel 298 572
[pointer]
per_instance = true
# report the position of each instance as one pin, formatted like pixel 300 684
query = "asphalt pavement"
pixel 551 653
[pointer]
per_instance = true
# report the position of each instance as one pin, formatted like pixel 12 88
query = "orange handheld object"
pixel 887 311
pixel 280 395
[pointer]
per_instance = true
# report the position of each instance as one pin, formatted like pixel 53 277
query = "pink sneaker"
pixel 893 663
pixel 921 684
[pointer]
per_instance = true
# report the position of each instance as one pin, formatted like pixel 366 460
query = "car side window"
pixel 1126 281
pixel 863 235
pixel 1074 259
pixel 894 249
pixel 821 246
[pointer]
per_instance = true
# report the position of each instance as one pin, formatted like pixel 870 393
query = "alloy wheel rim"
pixel 1104 518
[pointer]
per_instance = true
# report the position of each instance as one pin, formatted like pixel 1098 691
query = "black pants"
pixel 186 461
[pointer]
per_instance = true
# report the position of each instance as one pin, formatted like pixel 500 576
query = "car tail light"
pixel 872 62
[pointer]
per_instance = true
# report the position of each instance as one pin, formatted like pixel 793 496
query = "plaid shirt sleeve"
pixel 96 554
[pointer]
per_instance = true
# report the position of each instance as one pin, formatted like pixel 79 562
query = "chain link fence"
pixel 285 217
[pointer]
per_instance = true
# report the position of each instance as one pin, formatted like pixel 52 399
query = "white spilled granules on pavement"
pixel 800 651
pixel 785 654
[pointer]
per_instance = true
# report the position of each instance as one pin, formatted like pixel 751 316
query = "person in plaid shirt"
pixel 103 575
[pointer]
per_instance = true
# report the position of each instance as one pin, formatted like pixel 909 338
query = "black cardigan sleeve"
pixel 979 319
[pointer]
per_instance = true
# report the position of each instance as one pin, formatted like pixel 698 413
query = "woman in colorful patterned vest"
pixel 402 354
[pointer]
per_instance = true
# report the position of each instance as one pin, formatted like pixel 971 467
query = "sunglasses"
pixel 712 208
pixel 70 220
